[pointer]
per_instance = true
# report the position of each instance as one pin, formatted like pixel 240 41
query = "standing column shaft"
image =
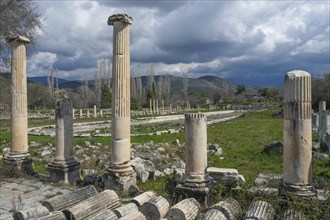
pixel 19 120
pixel 297 154
pixel 322 118
pixel 196 144
pixel 94 113
pixel 64 129
pixel 64 167
pixel 120 123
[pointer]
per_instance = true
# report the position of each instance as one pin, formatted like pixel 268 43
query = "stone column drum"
pixel 19 155
pixel 297 155
pixel 197 180
pixel 121 174
pixel 94 112
pixel 64 167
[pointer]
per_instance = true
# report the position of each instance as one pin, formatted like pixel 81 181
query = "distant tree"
pixel 151 89
pixel 216 97
pixel 271 94
pixel 321 90
pixel 134 104
pixel 106 97
pixel 240 89
pixel 185 85
pixel 17 17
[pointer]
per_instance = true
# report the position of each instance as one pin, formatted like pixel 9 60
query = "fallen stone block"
pixel 125 209
pixel 155 208
pixel 32 212
pixel 108 199
pixel 56 215
pixel 293 215
pixel 136 215
pixel 105 214
pixel 185 210
pixel 229 207
pixel 68 200
pixel 214 214
pixel 144 197
pixel 260 210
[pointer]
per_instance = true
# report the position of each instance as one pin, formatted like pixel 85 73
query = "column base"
pixel 22 162
pixel 299 190
pixel 197 187
pixel 120 177
pixel 66 171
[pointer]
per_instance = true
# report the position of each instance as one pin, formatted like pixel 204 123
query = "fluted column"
pixel 19 154
pixel 196 182
pixel 196 150
pixel 297 155
pixel 120 121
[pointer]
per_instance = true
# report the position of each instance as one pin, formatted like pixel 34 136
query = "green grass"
pixel 243 140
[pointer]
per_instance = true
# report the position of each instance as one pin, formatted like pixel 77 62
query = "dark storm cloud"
pixel 247 41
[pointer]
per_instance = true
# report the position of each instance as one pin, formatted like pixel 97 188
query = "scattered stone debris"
pixel 275 147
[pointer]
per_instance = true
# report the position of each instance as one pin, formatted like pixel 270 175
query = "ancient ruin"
pixel 196 182
pixel 297 155
pixel 64 167
pixel 19 155
pixel 121 174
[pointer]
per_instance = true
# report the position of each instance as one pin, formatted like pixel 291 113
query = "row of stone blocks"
pixel 86 203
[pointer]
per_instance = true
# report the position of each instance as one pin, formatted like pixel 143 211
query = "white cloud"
pixel 226 38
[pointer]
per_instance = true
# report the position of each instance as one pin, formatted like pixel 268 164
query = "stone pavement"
pixel 24 193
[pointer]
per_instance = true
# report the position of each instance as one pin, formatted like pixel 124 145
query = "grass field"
pixel 242 141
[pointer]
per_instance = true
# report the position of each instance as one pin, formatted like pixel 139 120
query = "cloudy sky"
pixel 250 42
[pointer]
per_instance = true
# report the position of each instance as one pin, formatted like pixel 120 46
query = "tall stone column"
pixel 64 167
pixel 121 174
pixel 197 180
pixel 322 120
pixel 19 155
pixel 94 112
pixel 297 155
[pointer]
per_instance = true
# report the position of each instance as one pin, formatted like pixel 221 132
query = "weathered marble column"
pixel 196 180
pixel 154 106
pixel 94 112
pixel 150 106
pixel 121 174
pixel 80 113
pixel 322 115
pixel 19 155
pixel 297 155
pixel 64 167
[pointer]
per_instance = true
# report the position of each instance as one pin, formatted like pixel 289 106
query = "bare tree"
pixel 97 88
pixel 185 85
pixel 167 88
pixel 17 17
